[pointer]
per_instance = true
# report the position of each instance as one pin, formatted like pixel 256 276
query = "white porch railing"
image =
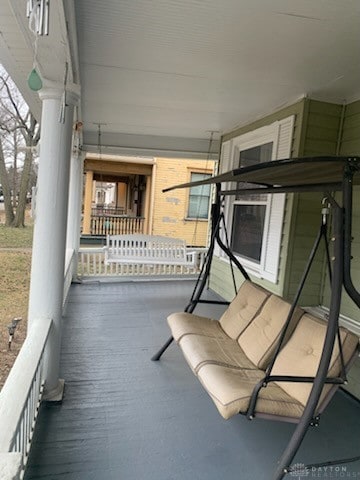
pixel 68 271
pixel 91 264
pixel 20 399
pixel 21 395
pixel 116 224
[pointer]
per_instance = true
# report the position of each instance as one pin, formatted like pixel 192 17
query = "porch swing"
pixel 265 357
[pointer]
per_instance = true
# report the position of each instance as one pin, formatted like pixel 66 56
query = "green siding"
pixel 320 136
pixel 350 140
pixel 297 109
pixel 348 307
pixel 316 132
pixel 221 280
pixel 350 145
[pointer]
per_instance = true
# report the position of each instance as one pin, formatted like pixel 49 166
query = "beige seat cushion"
pixel 247 303
pixel 187 323
pixel 222 351
pixel 260 338
pixel 244 307
pixel 301 356
pixel 231 390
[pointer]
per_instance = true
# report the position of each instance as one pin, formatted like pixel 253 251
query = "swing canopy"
pixel 288 175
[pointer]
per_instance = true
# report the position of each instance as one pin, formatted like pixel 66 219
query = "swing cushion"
pixel 231 388
pixel 260 339
pixel 301 356
pixel 263 331
pixel 244 307
pixel 182 324
pixel 247 303
pixel 199 350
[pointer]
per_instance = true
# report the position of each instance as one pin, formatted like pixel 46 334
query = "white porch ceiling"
pixel 160 75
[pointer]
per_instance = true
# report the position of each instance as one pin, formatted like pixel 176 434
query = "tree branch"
pixel 13 103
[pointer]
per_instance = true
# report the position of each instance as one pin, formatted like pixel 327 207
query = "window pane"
pixel 195 177
pixel 200 190
pixel 247 230
pixel 198 207
pixel 255 155
pixel 248 158
pixel 199 197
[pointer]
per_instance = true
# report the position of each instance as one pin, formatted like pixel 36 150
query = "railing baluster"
pixel 91 262
pixel 116 225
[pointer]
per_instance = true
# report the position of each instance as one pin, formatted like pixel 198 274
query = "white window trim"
pixel 280 134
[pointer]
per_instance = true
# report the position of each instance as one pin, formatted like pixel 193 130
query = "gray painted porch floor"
pixel 124 417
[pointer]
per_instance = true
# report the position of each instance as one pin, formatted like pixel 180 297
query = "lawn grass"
pixel 16 237
pixel 15 262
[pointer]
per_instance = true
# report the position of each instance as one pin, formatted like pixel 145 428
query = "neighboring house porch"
pixel 123 195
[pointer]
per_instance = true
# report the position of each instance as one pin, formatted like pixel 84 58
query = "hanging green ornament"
pixel 34 80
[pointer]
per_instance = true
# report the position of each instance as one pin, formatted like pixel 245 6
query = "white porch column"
pixel 74 207
pixel 48 255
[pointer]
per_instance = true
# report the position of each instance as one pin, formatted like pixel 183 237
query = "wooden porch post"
pixel 87 202
pixel 49 241
pixel 121 195
pixel 147 204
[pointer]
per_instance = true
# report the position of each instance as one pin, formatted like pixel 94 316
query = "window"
pixel 199 197
pixel 250 210
pixel 255 222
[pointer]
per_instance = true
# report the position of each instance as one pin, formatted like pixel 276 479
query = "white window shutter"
pixel 285 136
pixel 272 244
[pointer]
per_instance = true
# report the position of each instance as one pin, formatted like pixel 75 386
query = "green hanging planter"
pixel 34 80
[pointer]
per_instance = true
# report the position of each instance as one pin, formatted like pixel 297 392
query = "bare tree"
pixel 5 182
pixel 20 134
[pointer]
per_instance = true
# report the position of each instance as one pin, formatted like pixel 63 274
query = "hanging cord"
pixel 202 187
pixel 231 261
pixel 218 221
pixel 205 270
pixel 99 140
pixel 32 14
pixel 63 96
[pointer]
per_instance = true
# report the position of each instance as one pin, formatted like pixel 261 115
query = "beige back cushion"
pixel 247 303
pixel 301 355
pixel 259 340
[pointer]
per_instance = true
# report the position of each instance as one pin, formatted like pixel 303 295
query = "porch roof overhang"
pixel 160 76
pixel 118 166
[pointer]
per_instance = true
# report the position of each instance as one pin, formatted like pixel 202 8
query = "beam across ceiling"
pixel 148 145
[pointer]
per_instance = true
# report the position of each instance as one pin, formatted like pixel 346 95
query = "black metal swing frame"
pixel 320 174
